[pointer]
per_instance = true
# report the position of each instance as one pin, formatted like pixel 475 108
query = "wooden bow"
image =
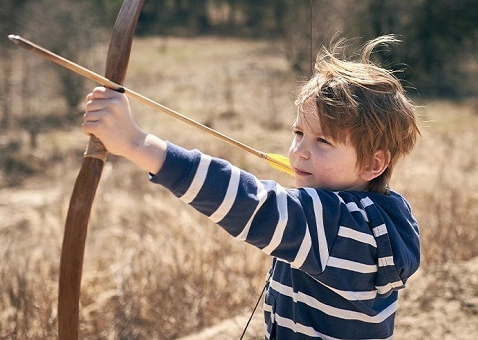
pixel 76 225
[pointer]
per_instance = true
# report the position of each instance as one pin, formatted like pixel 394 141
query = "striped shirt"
pixel 338 257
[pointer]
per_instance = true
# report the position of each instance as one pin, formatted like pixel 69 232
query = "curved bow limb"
pixel 76 225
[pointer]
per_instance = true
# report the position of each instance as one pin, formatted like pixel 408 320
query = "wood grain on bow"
pixel 73 248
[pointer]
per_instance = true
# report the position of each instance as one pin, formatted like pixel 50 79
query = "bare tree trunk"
pixel 32 125
pixel 7 76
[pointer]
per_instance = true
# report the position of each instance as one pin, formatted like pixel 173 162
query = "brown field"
pixel 154 268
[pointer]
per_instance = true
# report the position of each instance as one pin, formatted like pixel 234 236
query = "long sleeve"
pixel 339 256
pixel 261 213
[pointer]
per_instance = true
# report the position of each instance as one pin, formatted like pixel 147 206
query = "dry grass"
pixel 440 180
pixel 154 268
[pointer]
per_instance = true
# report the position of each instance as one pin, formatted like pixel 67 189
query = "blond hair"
pixel 365 102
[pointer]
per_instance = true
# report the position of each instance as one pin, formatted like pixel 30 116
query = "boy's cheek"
pixel 291 156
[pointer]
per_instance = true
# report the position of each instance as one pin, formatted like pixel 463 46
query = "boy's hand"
pixel 108 117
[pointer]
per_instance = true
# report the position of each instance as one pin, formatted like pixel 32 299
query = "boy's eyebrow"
pixel 302 121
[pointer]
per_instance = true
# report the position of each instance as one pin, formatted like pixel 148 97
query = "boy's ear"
pixel 380 162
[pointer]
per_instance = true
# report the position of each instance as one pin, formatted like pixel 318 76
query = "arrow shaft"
pixel 59 60
pixel 161 108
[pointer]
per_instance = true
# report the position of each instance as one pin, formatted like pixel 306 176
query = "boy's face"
pixel 318 161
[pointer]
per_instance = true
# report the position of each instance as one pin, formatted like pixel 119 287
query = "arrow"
pixel 276 161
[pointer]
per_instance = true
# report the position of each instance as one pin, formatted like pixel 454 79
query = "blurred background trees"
pixel 152 278
pixel 438 56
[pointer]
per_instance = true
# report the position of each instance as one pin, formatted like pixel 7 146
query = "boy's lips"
pixel 301 172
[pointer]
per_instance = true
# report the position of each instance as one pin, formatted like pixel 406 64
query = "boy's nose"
pixel 301 150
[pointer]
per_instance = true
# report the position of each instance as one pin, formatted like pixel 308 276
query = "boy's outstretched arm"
pixel 108 116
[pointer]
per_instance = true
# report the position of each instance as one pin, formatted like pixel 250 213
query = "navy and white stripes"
pixel 339 257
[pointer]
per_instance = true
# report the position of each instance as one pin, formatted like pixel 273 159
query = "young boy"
pixel 342 242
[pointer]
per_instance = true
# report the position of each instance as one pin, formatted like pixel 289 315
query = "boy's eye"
pixel 324 141
pixel 297 132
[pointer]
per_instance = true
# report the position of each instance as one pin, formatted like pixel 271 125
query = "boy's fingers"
pixel 94 106
pixel 101 92
pixel 99 101
pixel 87 128
pixel 89 117
pixel 92 123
